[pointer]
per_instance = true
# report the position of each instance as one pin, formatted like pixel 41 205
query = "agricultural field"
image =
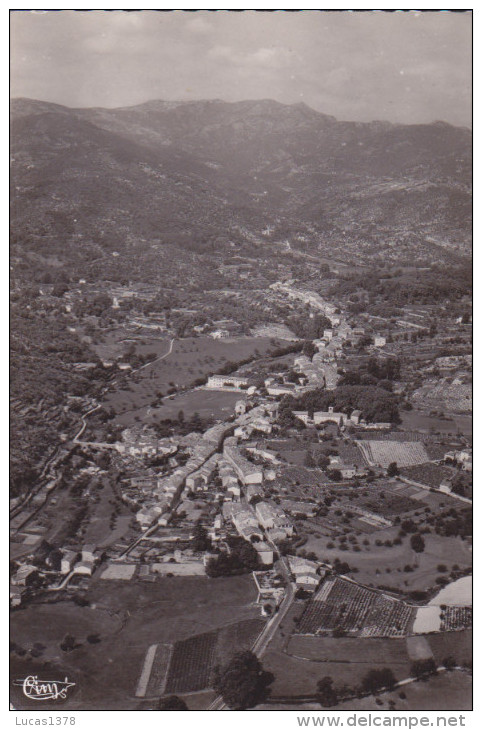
pixel 420 420
pixel 190 359
pixel 403 453
pixel 451 395
pixel 356 651
pixel 128 617
pixel 452 643
pixel 341 604
pixel 193 660
pixel 208 404
pixel 430 474
pixel 378 565
pixel 448 691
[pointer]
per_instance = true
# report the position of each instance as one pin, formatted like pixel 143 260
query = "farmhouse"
pixel 85 567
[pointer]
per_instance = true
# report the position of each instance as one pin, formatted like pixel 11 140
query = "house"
pixel 240 407
pixel 15 596
pixel 85 567
pixel 307 581
pixel 88 552
pixel 265 553
pixel 302 416
pixel 24 575
pixel 281 389
pixel 380 341
pixel 246 523
pixel 68 561
pixel 253 490
pixel 348 471
pixel 355 417
pixel 272 517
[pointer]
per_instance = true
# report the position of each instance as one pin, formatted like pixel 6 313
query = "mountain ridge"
pixel 187 172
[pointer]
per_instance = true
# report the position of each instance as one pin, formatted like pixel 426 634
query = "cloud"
pixel 199 25
pixel 344 64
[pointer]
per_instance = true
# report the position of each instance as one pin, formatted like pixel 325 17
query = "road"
pixel 158 359
pixel 84 423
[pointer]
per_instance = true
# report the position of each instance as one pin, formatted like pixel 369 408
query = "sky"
pixel 412 67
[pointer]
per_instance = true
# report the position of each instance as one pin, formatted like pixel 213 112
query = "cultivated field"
pixel 193 660
pixel 380 565
pixel 353 650
pixel 420 420
pixel 383 453
pixel 208 404
pixel 448 691
pixel 341 604
pixel 128 616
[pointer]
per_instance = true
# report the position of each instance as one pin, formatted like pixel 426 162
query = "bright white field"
pixel 427 619
pixel 458 593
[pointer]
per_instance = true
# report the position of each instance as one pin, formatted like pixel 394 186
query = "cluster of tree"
pixel 374 372
pixel 398 289
pixel 462 484
pixel 243 682
pixel 373 681
pixel 452 522
pixel 308 328
pixel 375 403
pixel 97 306
pixel 242 558
pixel 200 541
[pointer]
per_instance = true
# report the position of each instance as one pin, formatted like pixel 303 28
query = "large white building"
pixel 247 472
pixel 225 381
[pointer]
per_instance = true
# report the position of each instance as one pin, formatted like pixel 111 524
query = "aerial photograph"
pixel 241 361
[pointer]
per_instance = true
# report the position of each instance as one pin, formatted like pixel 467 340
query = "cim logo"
pixel 36 689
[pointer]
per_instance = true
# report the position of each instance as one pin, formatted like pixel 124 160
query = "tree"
pixel 173 702
pixel 242 682
pixel 417 543
pixel 392 470
pixel 326 694
pixel 423 668
pixel 449 663
pixel 377 679
pixel 200 540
